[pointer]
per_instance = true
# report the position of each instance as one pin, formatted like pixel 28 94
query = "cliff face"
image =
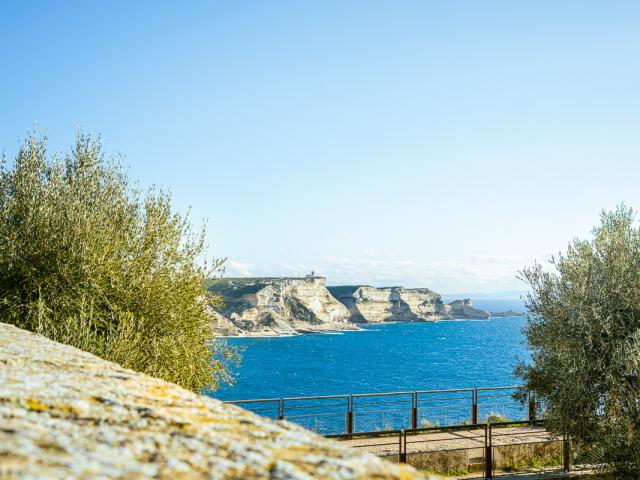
pixel 396 304
pixel 68 414
pixel 278 306
pixel 286 306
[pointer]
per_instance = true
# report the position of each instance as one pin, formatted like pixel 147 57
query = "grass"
pixel 507 458
pixel 517 458
pixel 448 463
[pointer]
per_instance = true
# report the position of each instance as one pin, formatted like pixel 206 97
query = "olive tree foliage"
pixel 87 260
pixel 583 330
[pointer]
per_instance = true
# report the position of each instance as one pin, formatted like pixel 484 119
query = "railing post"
pixel 350 415
pixel 402 447
pixel 488 452
pixel 474 406
pixel 281 409
pixel 566 454
pixel 414 410
pixel 532 407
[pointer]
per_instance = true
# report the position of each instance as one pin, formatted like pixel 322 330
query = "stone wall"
pixel 65 414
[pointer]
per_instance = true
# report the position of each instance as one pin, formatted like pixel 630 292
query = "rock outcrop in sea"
pixel 507 313
pixel 285 306
pixel 65 413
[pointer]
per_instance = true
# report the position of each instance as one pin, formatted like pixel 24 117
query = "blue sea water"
pixel 382 358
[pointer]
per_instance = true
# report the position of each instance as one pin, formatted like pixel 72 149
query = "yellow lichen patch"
pixel 198 420
pixel 159 391
pixel 35 405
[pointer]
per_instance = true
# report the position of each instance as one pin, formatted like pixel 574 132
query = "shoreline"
pixel 296 333
pixel 355 328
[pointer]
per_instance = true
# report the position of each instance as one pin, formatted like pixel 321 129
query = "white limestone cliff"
pixel 278 306
pixel 288 306
pixel 397 304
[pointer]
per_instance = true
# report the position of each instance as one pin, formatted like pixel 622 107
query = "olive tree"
pixel 583 331
pixel 88 260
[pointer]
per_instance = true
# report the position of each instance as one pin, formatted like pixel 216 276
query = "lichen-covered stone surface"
pixel 65 414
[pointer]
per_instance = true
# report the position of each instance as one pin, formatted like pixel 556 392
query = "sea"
pixel 383 358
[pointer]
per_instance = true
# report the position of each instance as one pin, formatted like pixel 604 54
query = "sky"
pixel 427 144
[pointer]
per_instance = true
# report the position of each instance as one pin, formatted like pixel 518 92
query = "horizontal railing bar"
pixel 517 434
pixel 526 443
pixel 484 389
pixel 441 399
pixel 376 400
pixel 395 443
pixel 357 435
pixel 450 428
pixel 306 407
pixel 509 423
pixel 365 404
pixel 253 400
pixel 376 408
pixel 321 397
pixel 358 395
pixel 376 394
pixel 530 434
pixel 446 391
pixel 448 450
pixel 418 431
pixel 451 440
pixel 263 408
pixel 493 397
pixel 314 415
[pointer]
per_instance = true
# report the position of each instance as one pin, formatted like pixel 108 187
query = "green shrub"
pixel 584 335
pixel 87 260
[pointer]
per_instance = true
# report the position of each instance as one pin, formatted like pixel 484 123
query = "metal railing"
pixel 375 412
pixel 484 449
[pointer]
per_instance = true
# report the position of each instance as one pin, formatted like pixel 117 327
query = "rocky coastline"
pixel 285 306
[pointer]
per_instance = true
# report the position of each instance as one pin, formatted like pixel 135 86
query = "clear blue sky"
pixel 441 144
